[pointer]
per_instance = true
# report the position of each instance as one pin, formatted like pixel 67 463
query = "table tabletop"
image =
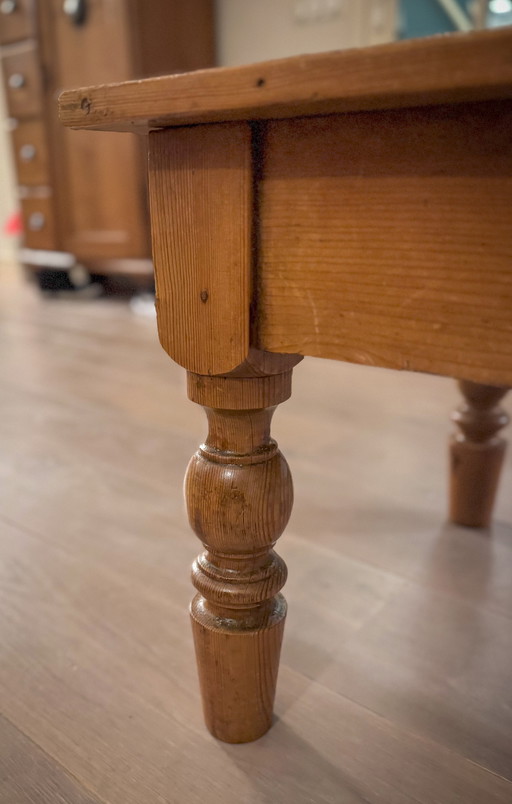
pixel 350 205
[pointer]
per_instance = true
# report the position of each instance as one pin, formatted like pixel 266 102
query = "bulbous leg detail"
pixel 239 496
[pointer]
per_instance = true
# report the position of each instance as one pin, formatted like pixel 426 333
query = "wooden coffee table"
pixel 352 206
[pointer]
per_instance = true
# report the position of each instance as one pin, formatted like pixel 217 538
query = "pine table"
pixel 351 205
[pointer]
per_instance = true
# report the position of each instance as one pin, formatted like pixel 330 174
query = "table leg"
pixel 239 496
pixel 476 454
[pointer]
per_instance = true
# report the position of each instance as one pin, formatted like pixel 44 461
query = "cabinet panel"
pixel 100 178
pixel 16 20
pixel 95 51
pixel 31 152
pixel 87 194
pixel 172 36
pixel 103 214
pixel 23 84
pixel 38 223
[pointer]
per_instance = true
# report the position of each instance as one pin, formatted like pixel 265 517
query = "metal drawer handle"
pixel 28 152
pixel 16 81
pixel 36 221
pixel 76 10
pixel 8 6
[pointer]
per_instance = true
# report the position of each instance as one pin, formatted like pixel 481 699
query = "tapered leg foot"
pixel 237 666
pixel 476 454
pixel 239 496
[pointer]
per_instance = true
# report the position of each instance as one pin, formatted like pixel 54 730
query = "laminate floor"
pixel 395 682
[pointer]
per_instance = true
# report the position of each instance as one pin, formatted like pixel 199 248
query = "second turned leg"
pixel 239 496
pixel 476 454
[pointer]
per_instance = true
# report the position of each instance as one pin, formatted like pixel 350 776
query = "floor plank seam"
pixel 395 724
pixel 66 771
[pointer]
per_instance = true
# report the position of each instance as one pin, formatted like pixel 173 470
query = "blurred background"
pixel 73 207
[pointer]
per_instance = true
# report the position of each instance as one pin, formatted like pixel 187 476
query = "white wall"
pixel 255 30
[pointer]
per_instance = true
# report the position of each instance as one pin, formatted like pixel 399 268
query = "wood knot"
pixel 204 296
pixel 85 105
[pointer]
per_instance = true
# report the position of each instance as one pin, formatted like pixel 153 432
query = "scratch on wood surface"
pixel 316 320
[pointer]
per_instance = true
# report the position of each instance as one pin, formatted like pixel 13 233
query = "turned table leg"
pixel 476 454
pixel 239 496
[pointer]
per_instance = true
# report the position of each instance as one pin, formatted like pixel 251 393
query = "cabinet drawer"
pixel 38 223
pixel 16 20
pixel 22 77
pixel 31 153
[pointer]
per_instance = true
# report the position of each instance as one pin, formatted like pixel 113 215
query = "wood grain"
pixel 173 36
pixel 29 776
pixel 476 454
pixel 385 239
pixel 200 187
pixel 423 71
pixel 398 638
pixel 239 496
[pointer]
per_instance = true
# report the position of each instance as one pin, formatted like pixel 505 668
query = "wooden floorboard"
pixel 395 681
pixel 29 776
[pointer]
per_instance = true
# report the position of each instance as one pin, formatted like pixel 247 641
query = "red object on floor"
pixel 14 224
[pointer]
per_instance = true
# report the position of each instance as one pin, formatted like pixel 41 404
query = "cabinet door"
pixel 16 20
pixel 38 222
pixel 100 183
pixel 22 76
pixel 31 153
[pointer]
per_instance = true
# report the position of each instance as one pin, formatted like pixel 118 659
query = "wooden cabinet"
pixel 83 198
pixel 17 20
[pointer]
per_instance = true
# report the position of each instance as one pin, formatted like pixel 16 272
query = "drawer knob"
pixel 27 152
pixel 76 10
pixel 16 81
pixel 8 6
pixel 36 221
